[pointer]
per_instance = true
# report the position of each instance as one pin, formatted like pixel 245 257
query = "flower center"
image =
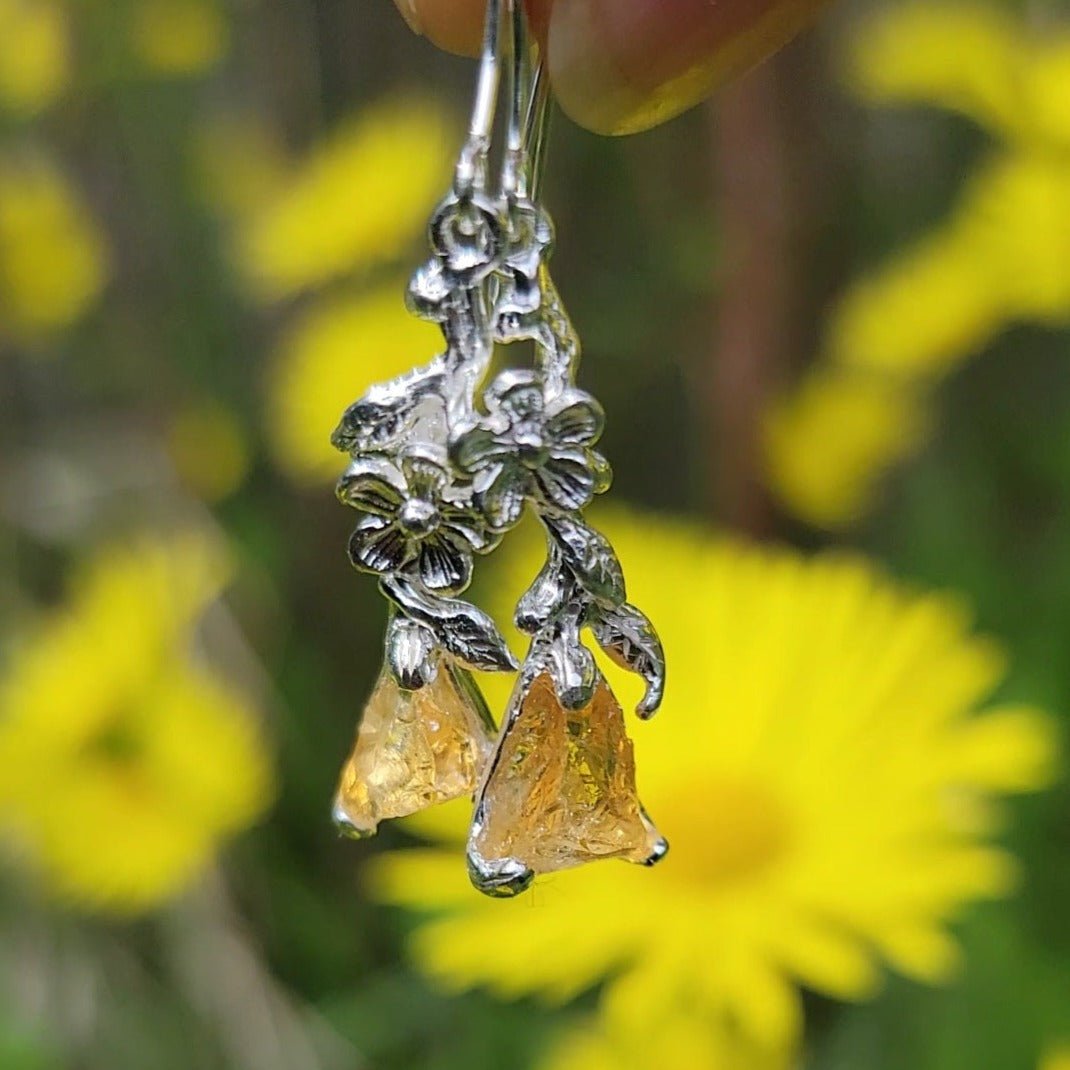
pixel 418 517
pixel 531 448
pixel 117 743
pixel 725 831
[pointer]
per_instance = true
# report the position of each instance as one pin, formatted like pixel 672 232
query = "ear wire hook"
pixel 519 77
pixel 536 128
pixel 528 97
pixel 472 162
pixel 528 105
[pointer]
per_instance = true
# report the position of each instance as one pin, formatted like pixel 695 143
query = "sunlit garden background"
pixel 828 315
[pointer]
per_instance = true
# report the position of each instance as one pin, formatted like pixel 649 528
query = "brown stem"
pixel 748 351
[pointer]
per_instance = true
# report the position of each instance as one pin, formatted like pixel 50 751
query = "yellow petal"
pixel 329 358
pixel 34 54
pixel 828 444
pixel 359 199
pixel 961 56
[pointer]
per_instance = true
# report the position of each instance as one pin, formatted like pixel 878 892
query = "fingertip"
pixel 457 25
pixel 454 25
pixel 621 66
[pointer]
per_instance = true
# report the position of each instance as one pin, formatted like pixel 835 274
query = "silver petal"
pixel 468 528
pixel 477 449
pixel 503 500
pixel 374 484
pixel 566 479
pixel 579 422
pixel 379 545
pixel 443 565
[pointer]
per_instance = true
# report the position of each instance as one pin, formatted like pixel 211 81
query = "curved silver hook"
pixel 536 128
pixel 527 112
pixel 472 163
pixel 528 105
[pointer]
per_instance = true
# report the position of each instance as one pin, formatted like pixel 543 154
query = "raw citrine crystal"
pixel 414 749
pixel 560 791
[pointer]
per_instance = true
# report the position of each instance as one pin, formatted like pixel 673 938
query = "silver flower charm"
pixel 531 447
pixel 466 234
pixel 411 525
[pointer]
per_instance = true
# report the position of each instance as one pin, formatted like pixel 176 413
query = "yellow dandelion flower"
pixel 1058 1058
pixel 975 59
pixel 824 442
pixel 327 361
pixel 963 57
pixel 124 761
pixel 34 54
pixel 1000 257
pixel 178 37
pixel 209 450
pixel 53 261
pixel 358 199
pixel 681 1040
pixel 1045 87
pixel 1016 212
pixel 921 313
pixel 819 770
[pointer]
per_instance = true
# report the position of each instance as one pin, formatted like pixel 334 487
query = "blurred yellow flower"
pixel 820 772
pixel 973 58
pixel 238 163
pixel 178 37
pixel 34 54
pixel 209 450
pixel 680 1040
pixel 329 358
pixel 357 200
pixel 53 262
pixel 917 315
pixel 1003 254
pixel 904 54
pixel 824 441
pixel 1017 213
pixel 1057 1058
pixel 125 761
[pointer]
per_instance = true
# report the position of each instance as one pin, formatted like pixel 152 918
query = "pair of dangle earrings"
pixel 442 466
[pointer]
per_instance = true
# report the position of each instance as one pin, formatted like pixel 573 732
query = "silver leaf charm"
pixel 629 639
pixel 460 627
pixel 590 557
pixel 547 596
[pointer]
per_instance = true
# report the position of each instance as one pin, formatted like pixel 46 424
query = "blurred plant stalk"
pixel 748 353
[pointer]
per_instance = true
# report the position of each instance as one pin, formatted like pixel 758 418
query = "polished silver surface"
pixel 443 464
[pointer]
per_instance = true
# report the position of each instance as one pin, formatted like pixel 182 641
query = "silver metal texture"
pixel 440 477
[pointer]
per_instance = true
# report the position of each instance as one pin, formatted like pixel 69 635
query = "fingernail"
pixel 410 14
pixel 620 66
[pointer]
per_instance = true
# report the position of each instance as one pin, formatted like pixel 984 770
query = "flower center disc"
pixel 736 832
pixel 418 517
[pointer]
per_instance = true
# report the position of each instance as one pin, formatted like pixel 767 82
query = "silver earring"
pixel 441 478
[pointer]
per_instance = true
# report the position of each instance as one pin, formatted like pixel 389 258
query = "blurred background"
pixel 828 315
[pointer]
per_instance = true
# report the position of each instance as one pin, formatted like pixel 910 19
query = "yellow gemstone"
pixel 414 749
pixel 559 792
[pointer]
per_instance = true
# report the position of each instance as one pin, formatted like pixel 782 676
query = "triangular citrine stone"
pixel 559 792
pixel 414 749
